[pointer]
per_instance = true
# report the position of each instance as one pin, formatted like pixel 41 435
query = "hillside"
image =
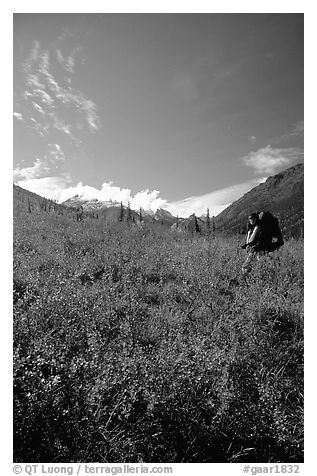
pixel 26 201
pixel 282 194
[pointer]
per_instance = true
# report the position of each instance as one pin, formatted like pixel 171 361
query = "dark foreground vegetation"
pixel 139 344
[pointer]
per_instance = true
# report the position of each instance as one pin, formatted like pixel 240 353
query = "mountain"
pixel 89 205
pixel 191 224
pixel 164 217
pixel 282 194
pixel 111 210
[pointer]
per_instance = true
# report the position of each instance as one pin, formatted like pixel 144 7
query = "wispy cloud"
pixel 32 58
pixel 48 98
pixel 55 154
pixel 269 160
pixel 29 173
pixel 293 136
pixel 298 129
pixel 68 62
pixel 216 201
pixel 18 116
pixel 66 33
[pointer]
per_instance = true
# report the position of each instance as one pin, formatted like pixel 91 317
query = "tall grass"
pixel 139 344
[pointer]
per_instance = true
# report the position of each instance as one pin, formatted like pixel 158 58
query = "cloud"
pixel 27 65
pixel 146 199
pixel 90 110
pixel 48 187
pixel 216 201
pixel 53 159
pixel 38 108
pixel 29 173
pixel 47 98
pixel 66 33
pixel 298 129
pixel 68 63
pixel 18 116
pixel 251 139
pixel 149 200
pixel 294 135
pixel 59 188
pixel 61 126
pixel 55 154
pixel 269 160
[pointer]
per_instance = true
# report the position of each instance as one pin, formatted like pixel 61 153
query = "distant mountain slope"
pixel 89 205
pixel 110 210
pixel 26 201
pixel 282 194
pixel 191 224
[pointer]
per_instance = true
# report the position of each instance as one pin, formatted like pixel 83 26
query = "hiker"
pixel 263 228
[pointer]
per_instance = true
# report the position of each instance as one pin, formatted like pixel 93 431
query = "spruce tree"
pixel 213 225
pixel 129 214
pixel 121 215
pixel 197 229
pixel 208 228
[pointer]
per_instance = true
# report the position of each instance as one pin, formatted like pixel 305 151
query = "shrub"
pixel 134 344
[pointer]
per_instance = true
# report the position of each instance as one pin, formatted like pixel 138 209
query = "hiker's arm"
pixel 254 238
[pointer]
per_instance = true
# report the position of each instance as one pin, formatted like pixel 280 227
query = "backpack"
pixel 270 229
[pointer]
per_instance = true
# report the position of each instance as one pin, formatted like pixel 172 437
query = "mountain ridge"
pixel 282 194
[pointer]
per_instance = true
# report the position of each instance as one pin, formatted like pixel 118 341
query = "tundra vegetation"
pixel 135 343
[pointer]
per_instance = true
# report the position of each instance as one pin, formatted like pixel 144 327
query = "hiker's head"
pixel 253 218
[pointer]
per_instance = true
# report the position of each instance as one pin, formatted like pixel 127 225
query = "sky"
pixel 182 111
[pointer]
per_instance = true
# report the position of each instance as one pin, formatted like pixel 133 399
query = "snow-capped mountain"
pixel 89 205
pixel 161 215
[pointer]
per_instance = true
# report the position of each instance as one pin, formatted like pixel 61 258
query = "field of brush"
pixel 139 344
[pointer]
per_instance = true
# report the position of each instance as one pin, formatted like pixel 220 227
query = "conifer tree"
pixel 129 214
pixel 197 229
pixel 208 228
pixel 213 225
pixel 121 212
pixel 141 217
